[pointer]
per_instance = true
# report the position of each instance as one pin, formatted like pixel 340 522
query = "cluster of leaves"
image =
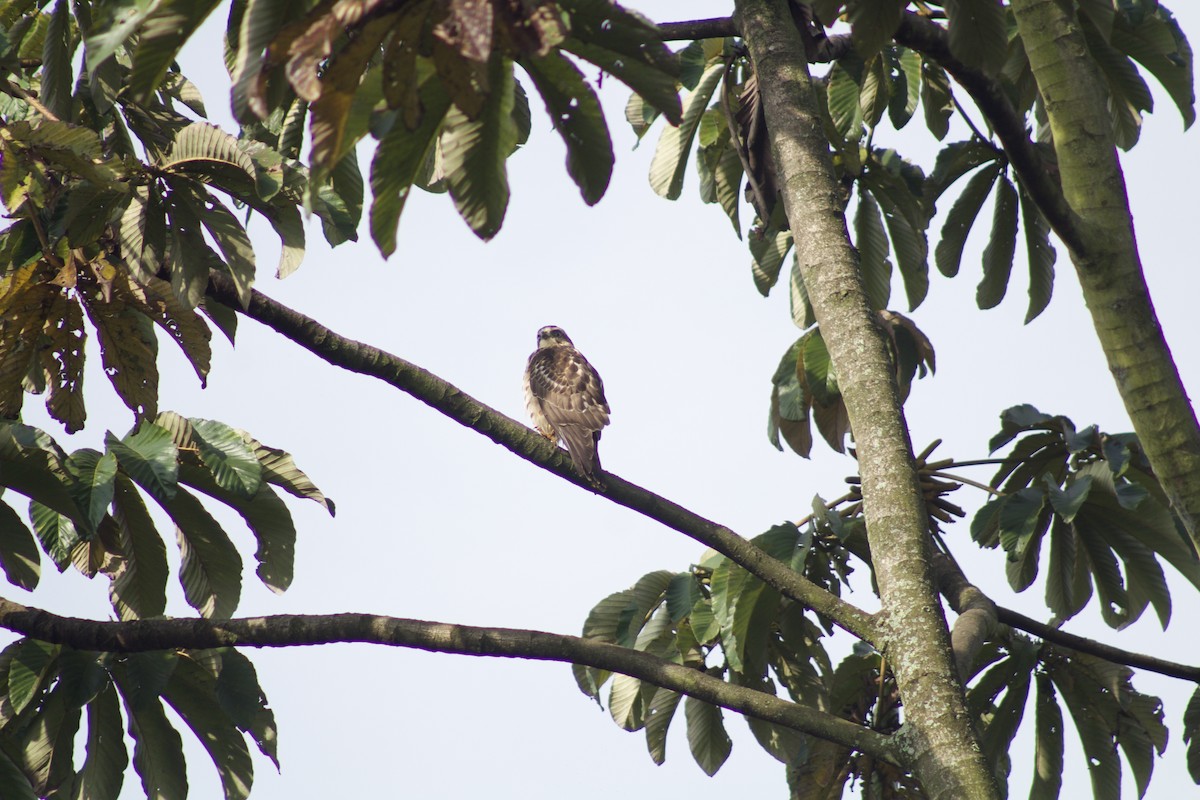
pixel 1110 716
pixel 434 82
pixel 87 510
pixel 805 385
pixel 1097 499
pixel 1093 498
pixel 874 78
pixel 116 191
pixel 718 612
pixel 46 689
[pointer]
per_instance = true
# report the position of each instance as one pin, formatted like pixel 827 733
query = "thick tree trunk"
pixel 1109 268
pixel 945 752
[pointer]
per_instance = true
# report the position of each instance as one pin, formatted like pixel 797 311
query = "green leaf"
pixel 149 457
pixel 682 594
pixel 998 255
pixel 228 457
pixel 134 235
pixel 13 783
pixel 576 114
pixel 56 532
pixel 845 104
pixel 210 568
pixel 873 251
pixel 103 769
pixel 139 583
pixel 160 38
pixel 948 253
pixel 1088 704
pixel 1048 743
pixel 768 250
pixel 398 161
pixel 1157 43
pixel 1068 579
pixel 48 742
pixel 937 100
pixel 978 33
pixel 27 672
pixel 474 153
pixel 956 160
pixel 242 698
pixel 18 550
pixel 201 146
pixel 231 239
pixel 191 692
pixel 157 751
pixel 658 719
pixel 625 703
pixel 628 47
pixel 1191 735
pixel 57 50
pixel 707 738
pixel 279 468
pixel 1066 503
pixel 872 23
pixel 669 165
pixel 267 517
pixel 906 89
pixel 93 485
pixel 1040 253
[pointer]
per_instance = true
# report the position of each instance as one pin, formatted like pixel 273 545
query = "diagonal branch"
pixel 297 630
pixel 439 394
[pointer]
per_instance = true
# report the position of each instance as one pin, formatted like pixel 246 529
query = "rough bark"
pixel 1109 267
pixel 946 754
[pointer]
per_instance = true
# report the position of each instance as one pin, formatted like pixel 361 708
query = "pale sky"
pixel 435 522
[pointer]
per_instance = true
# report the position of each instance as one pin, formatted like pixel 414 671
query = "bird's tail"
pixel 581 444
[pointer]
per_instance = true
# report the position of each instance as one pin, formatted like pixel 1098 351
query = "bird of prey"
pixel 565 397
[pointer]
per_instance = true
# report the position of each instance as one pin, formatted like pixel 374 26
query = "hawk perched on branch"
pixel 565 397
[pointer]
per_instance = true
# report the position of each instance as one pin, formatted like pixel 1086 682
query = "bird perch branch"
pixel 364 359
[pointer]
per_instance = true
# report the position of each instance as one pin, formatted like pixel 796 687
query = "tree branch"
pixel 297 630
pixel 442 396
pixel 1106 651
pixel 715 28
pixel 946 751
pixel 977 617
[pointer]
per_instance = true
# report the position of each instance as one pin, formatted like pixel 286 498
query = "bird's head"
pixel 552 336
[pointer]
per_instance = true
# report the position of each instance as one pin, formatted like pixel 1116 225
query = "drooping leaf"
pixel 1041 255
pixel 936 98
pixel 158 749
pixel 55 531
pixel 19 556
pixel 873 251
pixel 1001 247
pixel 103 769
pixel 978 33
pixel 709 742
pixel 475 152
pixel 575 113
pixel 139 584
pixel 1048 743
pixel 241 697
pixel 397 163
pixel 210 567
pixel 658 719
pixel 669 165
pixel 948 253
pixel 191 692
